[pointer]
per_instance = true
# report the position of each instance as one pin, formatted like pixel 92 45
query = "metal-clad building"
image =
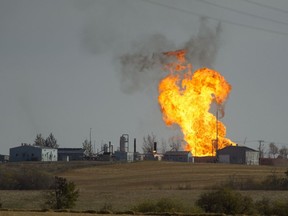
pixel 124 156
pixel 70 154
pixel 238 155
pixel 178 156
pixel 33 153
pixel 4 158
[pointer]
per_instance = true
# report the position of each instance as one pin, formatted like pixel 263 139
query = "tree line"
pixel 274 150
pixel 174 143
pixel 51 142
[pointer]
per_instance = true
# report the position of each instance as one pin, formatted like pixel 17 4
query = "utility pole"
pixel 260 148
pixel 90 136
pixel 215 141
pixel 217 129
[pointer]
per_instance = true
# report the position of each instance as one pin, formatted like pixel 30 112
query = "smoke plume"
pixel 144 65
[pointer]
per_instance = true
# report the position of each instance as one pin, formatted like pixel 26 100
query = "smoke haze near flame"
pixel 185 99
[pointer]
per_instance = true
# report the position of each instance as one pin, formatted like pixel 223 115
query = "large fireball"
pixel 185 99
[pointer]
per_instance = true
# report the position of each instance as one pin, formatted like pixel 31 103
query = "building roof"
pixel 177 153
pixel 31 146
pixel 71 150
pixel 242 148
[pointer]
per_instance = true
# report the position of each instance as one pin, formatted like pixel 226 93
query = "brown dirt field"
pixel 120 186
pixel 123 185
pixel 29 213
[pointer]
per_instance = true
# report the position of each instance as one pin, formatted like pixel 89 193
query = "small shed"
pixel 179 156
pixel 33 153
pixel 70 154
pixel 238 155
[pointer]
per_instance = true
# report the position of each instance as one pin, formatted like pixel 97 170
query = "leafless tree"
pixel 148 143
pixel 273 150
pixel 283 152
pixel 163 146
pixel 175 143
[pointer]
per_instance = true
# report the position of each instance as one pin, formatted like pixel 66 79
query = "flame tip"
pixel 185 99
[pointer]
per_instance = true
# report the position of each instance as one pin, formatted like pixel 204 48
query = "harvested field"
pixel 120 186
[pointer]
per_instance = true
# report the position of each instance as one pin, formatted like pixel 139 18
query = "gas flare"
pixel 185 99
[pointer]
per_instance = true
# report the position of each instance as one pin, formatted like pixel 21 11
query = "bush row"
pixel 230 202
pixel 164 205
pixel 271 182
pixel 222 201
pixel 24 179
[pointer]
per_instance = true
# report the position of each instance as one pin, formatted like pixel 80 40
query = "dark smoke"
pixel 202 50
pixel 144 65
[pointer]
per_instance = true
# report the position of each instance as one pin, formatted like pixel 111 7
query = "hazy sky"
pixel 61 71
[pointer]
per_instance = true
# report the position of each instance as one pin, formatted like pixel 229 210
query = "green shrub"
pixel 266 207
pixel 280 208
pixel 225 201
pixel 64 195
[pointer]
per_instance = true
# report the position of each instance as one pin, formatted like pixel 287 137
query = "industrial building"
pixel 179 156
pixel 4 158
pixel 70 154
pixel 27 152
pixel 123 154
pixel 153 155
pixel 238 155
pixel 106 153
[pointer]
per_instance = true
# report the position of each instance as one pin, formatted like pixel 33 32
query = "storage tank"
pixel 124 143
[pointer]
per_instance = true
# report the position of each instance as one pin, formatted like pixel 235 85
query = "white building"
pixel 33 153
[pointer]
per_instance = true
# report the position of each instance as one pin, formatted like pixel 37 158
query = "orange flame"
pixel 185 99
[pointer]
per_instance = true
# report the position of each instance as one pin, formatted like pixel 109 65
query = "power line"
pixel 267 6
pixel 213 18
pixel 265 141
pixel 242 12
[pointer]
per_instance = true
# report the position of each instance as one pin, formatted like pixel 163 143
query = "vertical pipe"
pixel 90 136
pixel 216 142
pixel 134 145
pixel 217 124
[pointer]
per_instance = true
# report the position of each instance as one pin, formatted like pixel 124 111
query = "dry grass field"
pixel 120 186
